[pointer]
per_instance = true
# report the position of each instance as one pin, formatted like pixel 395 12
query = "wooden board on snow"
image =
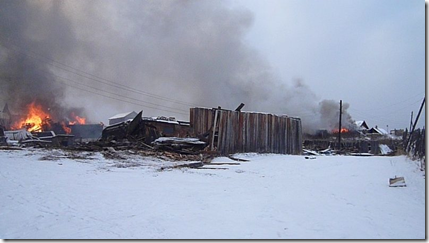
pixel 397 182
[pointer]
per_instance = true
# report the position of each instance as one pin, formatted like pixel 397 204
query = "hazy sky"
pixel 294 57
pixel 370 54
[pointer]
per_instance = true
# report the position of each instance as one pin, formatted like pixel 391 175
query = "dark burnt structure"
pixel 147 130
pixel 222 131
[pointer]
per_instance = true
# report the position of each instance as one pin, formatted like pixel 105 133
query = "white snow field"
pixel 51 194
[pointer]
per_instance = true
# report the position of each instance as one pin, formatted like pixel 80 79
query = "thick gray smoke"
pixel 158 56
pixel 25 29
pixel 329 111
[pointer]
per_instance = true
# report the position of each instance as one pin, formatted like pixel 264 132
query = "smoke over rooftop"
pixel 160 56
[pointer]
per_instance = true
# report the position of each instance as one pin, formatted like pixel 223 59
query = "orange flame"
pixel 78 120
pixel 343 130
pixel 35 119
pixel 38 119
pixel 65 128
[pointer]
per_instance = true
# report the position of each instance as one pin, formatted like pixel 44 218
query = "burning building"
pixel 223 131
pixel 36 118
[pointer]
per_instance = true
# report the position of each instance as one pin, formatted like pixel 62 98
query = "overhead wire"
pixel 397 109
pixel 96 78
pixel 396 103
pixel 130 102
pixel 383 116
pixel 104 95
pixel 155 106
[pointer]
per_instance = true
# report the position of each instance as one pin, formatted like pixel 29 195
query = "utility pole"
pixel 339 127
pixel 415 123
pixel 411 121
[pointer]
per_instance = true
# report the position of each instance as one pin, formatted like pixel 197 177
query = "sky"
pixel 370 54
pixel 299 58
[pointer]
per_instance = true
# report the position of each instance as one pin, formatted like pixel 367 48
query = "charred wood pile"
pixel 181 145
pixel 116 153
pixel 146 130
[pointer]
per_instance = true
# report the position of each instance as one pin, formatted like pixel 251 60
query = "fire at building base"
pixel 210 132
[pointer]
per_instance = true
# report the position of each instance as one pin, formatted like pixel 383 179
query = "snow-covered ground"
pixel 57 195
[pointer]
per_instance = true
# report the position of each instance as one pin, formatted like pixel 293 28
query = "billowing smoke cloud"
pixel 329 111
pixel 159 56
pixel 26 29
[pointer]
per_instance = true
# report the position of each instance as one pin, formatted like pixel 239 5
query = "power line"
pixel 397 108
pixel 130 102
pixel 382 117
pixel 156 107
pixel 95 78
pixel 147 102
pixel 396 103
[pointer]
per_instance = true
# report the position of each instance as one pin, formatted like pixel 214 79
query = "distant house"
pixel 361 125
pixel 377 130
pixel 397 132
pixel 118 118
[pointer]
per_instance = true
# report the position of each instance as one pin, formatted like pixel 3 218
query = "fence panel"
pixel 249 131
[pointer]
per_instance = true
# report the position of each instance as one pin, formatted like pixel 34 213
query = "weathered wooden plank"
pixel 225 132
pixel 213 133
pixel 220 132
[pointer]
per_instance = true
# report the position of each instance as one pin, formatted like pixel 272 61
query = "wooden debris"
pixel 189 165
pixel 397 182
pixel 179 145
pixel 10 148
pixel 211 168
pixel 238 159
pixel 223 163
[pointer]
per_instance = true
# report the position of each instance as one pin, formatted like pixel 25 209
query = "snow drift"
pixel 86 196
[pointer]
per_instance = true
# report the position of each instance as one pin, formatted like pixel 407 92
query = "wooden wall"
pixel 235 132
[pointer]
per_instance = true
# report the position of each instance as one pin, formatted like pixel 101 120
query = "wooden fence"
pixel 417 145
pixel 233 132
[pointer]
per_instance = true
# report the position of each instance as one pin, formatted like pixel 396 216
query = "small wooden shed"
pixel 234 131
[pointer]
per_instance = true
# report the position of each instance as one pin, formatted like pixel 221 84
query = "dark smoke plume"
pixel 26 28
pixel 171 54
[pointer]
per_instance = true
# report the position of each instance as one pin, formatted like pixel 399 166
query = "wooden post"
pixel 411 121
pixel 339 127
pixel 239 107
pixel 415 123
pixel 214 130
